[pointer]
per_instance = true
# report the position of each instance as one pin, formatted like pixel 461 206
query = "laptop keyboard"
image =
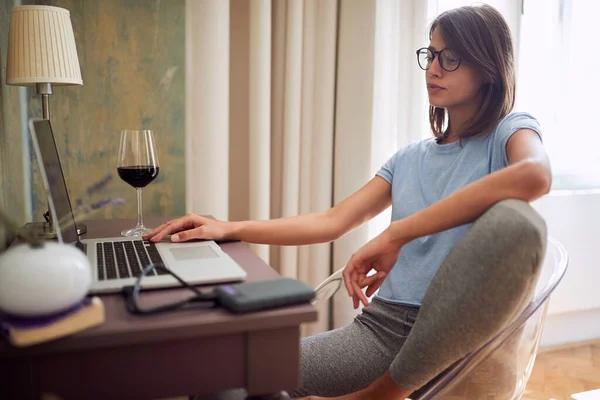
pixel 127 259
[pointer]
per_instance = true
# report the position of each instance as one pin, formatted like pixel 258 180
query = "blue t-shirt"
pixel 425 172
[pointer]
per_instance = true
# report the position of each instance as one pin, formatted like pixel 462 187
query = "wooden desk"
pixel 175 354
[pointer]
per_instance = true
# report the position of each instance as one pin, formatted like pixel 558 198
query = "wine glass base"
pixel 138 231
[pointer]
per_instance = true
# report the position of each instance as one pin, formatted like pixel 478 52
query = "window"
pixel 558 83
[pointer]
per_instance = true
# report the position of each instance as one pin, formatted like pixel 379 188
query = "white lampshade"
pixel 41 47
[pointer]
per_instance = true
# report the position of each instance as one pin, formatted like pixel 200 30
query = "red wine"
pixel 138 176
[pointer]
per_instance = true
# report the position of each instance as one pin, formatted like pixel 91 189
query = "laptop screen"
pixel 56 180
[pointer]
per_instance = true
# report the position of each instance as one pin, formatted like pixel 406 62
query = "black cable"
pixel 131 293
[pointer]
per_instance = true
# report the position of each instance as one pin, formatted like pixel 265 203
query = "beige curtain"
pixel 279 120
pixel 353 127
pixel 207 107
pixel 302 135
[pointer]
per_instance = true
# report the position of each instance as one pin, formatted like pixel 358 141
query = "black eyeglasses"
pixel 447 59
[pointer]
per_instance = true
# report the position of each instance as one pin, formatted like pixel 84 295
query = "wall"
pixel 11 180
pixel 573 218
pixel 132 57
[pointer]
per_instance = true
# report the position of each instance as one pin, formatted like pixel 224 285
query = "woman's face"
pixel 450 89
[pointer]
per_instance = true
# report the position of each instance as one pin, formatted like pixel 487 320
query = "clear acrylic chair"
pixel 500 368
pixel 328 287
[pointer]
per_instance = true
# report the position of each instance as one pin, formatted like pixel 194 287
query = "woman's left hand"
pixel 379 254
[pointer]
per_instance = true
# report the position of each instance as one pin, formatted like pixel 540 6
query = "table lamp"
pixel 42 52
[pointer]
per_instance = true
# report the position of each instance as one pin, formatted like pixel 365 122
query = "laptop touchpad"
pixel 193 253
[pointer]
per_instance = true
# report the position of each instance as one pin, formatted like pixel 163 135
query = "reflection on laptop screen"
pixel 58 188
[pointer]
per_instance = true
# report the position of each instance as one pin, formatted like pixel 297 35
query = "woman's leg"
pixel 485 281
pixel 348 359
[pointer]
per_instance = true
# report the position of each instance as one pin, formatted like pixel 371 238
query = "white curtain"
pixel 381 105
pixel 302 117
pixel 260 119
pixel 353 119
pixel 557 84
pixel 207 107
pixel 400 106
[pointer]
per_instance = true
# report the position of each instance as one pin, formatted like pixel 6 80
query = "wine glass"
pixel 138 166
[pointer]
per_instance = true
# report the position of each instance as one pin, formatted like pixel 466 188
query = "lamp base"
pixel 42 230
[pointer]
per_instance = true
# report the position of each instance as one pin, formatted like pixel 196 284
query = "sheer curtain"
pixel 558 83
pixel 278 106
pixel 400 113
pixel 260 119
pixel 302 131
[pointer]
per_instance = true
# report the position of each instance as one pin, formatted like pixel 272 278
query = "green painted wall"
pixel 11 189
pixel 132 58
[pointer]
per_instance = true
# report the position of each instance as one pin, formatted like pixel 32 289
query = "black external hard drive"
pixel 255 296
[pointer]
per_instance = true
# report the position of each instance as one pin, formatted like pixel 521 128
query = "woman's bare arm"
pixel 322 227
pixel 305 229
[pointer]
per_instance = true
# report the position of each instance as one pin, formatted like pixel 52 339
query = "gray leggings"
pixel 348 359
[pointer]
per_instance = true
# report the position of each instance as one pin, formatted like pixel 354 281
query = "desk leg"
pixel 273 361
pixel 17 379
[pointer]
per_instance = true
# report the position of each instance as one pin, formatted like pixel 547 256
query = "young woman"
pixel 480 154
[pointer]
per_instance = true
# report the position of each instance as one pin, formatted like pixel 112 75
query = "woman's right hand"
pixel 191 226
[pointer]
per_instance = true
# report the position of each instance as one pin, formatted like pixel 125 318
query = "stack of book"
pixel 29 331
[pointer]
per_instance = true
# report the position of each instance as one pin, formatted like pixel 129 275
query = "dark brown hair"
pixel 481 38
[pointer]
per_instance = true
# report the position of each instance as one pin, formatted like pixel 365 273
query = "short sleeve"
pixel 506 128
pixel 387 170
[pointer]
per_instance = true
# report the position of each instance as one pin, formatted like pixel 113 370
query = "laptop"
pixel 117 262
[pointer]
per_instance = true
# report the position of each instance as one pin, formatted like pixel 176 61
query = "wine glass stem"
pixel 140 223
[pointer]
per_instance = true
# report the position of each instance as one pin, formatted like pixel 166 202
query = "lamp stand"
pixel 46 230
pixel 45 90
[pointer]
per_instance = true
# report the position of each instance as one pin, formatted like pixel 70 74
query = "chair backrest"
pixel 329 286
pixel 500 368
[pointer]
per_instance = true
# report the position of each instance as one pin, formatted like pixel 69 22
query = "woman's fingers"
pixel 373 287
pixel 154 231
pixel 158 231
pixel 357 281
pixel 169 228
pixel 365 281
pixel 347 277
pixel 359 295
pixel 174 226
pixel 196 233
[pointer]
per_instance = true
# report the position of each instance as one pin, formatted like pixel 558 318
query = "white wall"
pixel 573 218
